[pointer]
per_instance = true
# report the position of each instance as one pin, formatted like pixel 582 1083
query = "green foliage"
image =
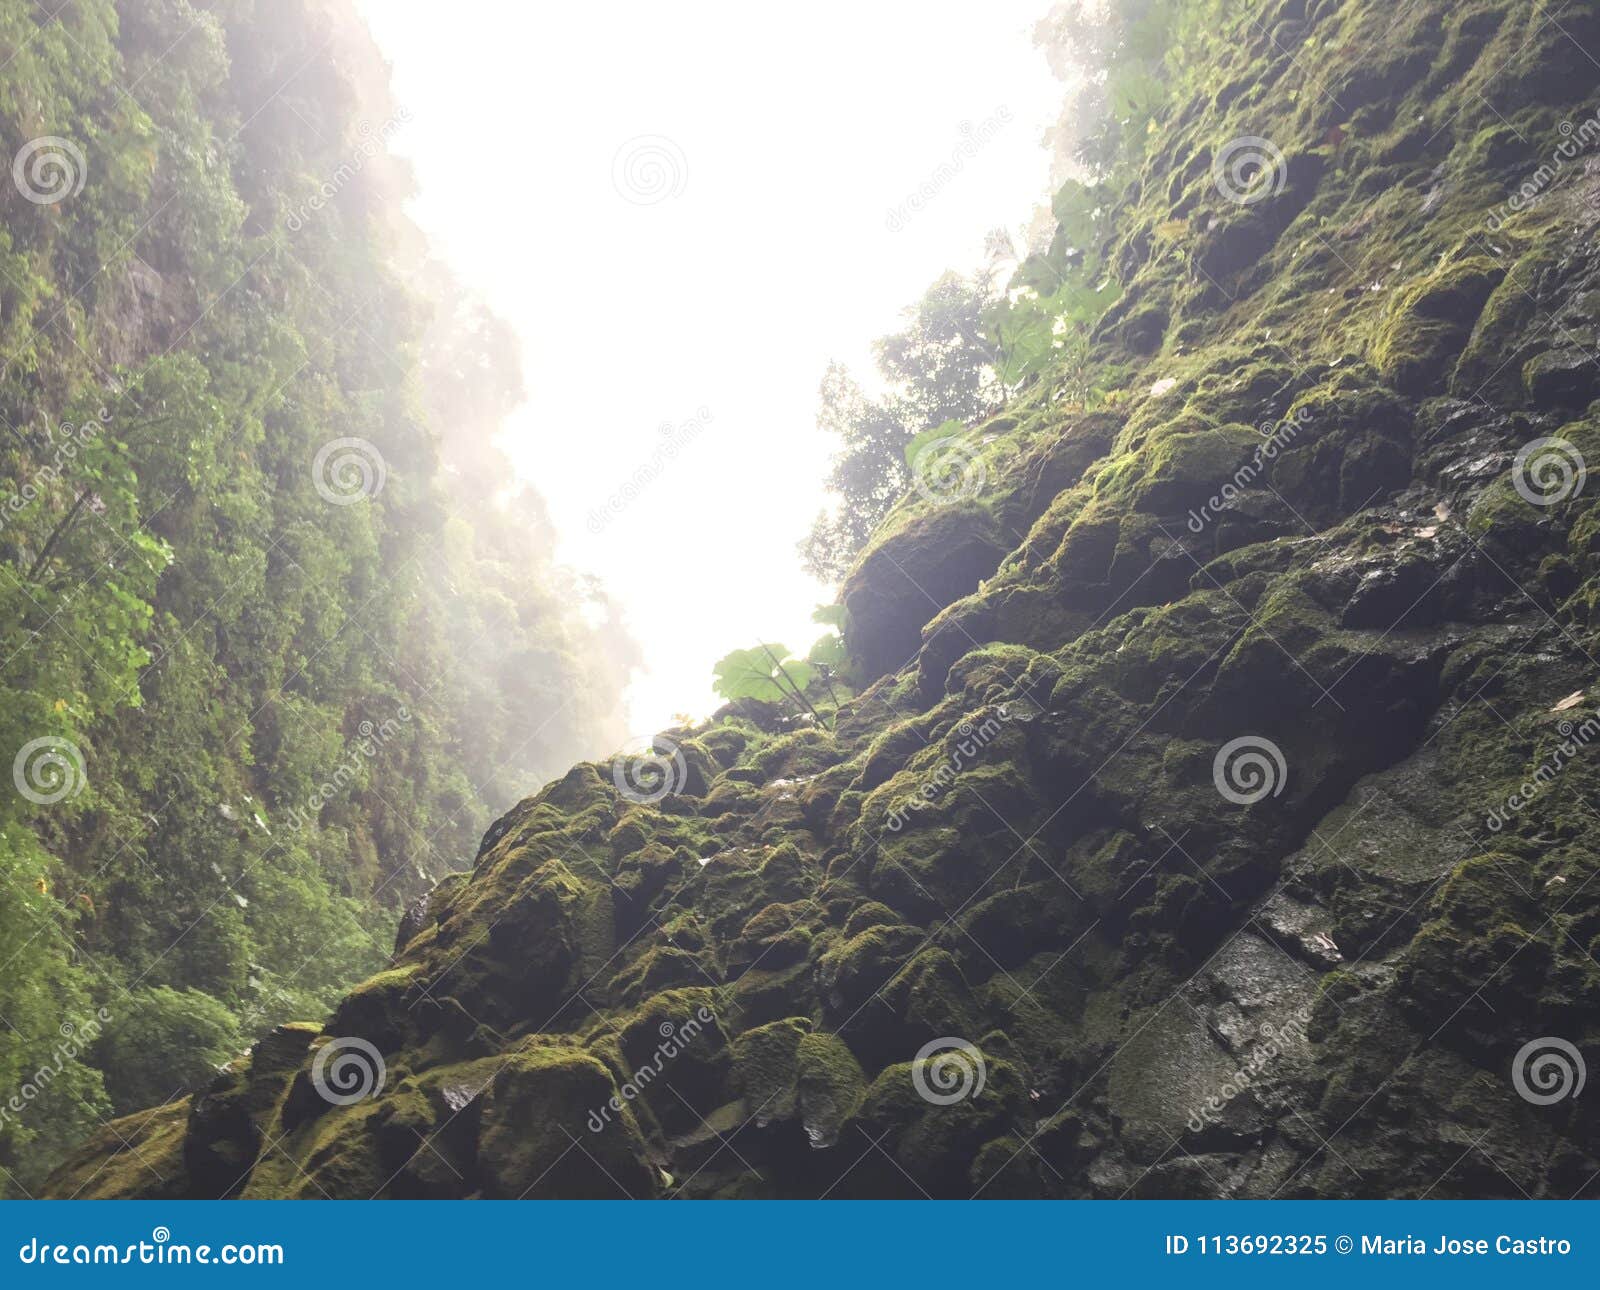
pixel 1136 53
pixel 939 369
pixel 970 345
pixel 1125 58
pixel 291 716
pixel 1056 296
pixel 160 1043
pixel 771 674
pixel 828 651
pixel 765 672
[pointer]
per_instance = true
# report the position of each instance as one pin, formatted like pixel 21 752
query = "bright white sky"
pixel 799 129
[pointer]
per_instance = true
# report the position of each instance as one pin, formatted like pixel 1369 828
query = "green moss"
pixel 541 1101
pixel 765 1070
pixel 916 568
pixel 376 1010
pixel 1430 322
pixel 139 1156
pixel 858 967
pixel 793 756
pixel 831 1086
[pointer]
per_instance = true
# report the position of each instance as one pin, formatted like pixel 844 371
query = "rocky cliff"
pixel 1216 814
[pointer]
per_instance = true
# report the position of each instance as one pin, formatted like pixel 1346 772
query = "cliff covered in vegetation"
pixel 259 593
pixel 1211 813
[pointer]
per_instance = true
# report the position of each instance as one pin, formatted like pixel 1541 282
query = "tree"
pixel 939 368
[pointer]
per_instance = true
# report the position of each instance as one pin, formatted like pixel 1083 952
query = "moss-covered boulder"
pixel 932 558
pixel 537 1137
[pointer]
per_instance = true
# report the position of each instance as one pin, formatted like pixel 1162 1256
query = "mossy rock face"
pixel 831 1086
pixel 1560 378
pixel 139 1155
pixel 676 1049
pixel 536 1140
pixel 1218 788
pixel 765 1068
pixel 379 1009
pixel 1431 322
pixel 228 1119
pixel 910 575
pixel 426 910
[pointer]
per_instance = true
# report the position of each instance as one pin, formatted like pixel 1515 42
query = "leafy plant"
pixel 767 673
pixel 771 674
pixel 1056 296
